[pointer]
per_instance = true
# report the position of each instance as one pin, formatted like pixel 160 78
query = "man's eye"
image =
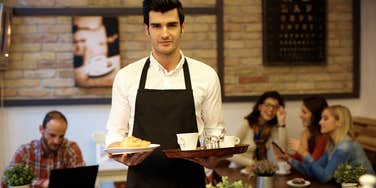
pixel 155 26
pixel 172 25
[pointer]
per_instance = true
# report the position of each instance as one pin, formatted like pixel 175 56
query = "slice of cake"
pixel 298 181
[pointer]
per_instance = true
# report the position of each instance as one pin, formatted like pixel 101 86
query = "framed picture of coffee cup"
pixel 96 50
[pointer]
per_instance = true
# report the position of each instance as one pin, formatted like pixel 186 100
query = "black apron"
pixel 159 116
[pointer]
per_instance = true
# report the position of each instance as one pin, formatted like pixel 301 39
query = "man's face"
pixel 53 134
pixel 165 32
pixel 90 43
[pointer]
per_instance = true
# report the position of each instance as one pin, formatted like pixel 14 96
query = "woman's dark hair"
pixel 315 105
pixel 53 115
pixel 162 6
pixel 253 117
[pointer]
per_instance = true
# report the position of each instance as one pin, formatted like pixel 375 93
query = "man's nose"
pixel 165 32
pixel 56 140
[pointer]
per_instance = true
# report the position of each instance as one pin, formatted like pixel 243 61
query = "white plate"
pixel 119 150
pixel 283 173
pixel 306 183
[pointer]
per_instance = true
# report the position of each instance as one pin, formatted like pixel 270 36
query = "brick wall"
pixel 41 55
pixel 245 73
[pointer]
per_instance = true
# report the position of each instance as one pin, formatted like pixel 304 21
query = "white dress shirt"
pixel 205 86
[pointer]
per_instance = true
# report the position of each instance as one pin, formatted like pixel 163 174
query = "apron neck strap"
pixel 144 73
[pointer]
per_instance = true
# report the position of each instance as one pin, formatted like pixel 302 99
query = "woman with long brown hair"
pixel 266 123
pixel 311 139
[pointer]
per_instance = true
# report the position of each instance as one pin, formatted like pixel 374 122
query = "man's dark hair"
pixel 162 6
pixel 53 115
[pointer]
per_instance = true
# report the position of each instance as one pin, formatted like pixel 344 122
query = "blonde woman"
pixel 336 123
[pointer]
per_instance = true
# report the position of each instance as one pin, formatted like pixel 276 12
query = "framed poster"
pixel 96 50
pixel 294 32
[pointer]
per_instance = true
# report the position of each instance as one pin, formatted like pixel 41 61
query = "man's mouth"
pixel 165 43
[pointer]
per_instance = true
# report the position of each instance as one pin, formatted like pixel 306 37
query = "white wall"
pixel 20 124
pixel 368 60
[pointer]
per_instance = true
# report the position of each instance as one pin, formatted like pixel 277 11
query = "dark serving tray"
pixel 218 152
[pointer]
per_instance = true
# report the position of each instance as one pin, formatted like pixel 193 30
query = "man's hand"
pixel 208 162
pixel 130 159
pixel 45 183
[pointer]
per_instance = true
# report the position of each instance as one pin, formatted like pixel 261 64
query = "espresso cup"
pixel 187 141
pixel 229 141
pixel 283 167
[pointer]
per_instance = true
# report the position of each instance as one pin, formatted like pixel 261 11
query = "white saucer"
pixel 306 183
pixel 283 173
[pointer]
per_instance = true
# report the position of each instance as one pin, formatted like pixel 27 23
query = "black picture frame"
pixel 294 32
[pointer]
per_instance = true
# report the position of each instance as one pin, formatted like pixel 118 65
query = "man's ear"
pixel 147 30
pixel 183 27
pixel 41 129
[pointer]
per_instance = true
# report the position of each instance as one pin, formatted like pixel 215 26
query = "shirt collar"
pixel 156 65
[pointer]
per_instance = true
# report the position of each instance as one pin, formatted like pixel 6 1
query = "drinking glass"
pixel 213 136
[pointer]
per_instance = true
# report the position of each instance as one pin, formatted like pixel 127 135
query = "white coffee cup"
pixel 187 141
pixel 99 65
pixel 283 167
pixel 229 141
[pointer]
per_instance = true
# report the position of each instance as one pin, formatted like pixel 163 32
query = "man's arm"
pixel 117 124
pixel 212 114
pixel 74 156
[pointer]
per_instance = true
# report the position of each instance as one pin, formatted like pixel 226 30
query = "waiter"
pixel 161 95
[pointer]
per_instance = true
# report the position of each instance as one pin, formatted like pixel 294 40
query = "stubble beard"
pixel 44 139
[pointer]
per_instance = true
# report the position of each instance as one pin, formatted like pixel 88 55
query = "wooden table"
pixel 279 180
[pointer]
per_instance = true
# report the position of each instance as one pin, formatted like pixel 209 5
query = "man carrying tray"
pixel 161 95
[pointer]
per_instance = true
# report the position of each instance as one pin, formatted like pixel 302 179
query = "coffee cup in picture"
pixel 99 65
pixel 229 141
pixel 187 141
